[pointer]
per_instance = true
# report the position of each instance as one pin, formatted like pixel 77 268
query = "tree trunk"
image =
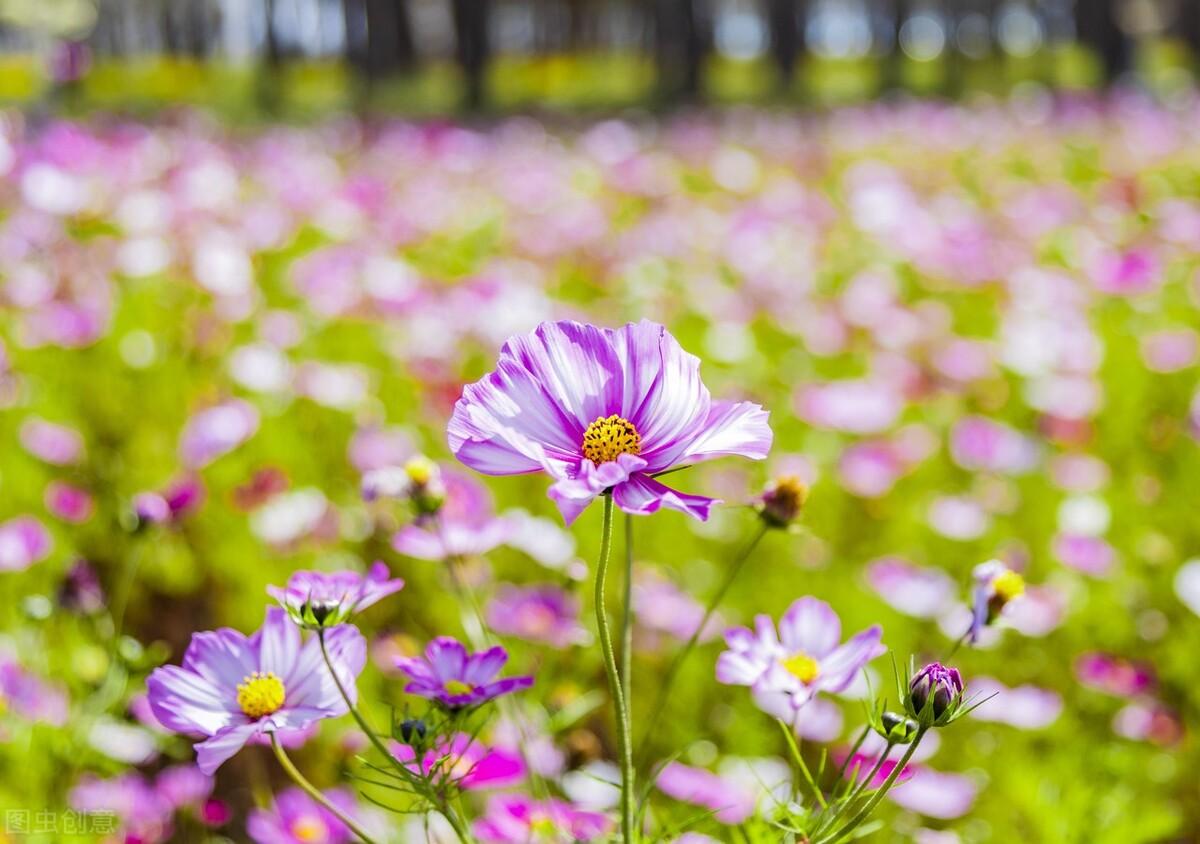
pixel 1096 26
pixel 472 47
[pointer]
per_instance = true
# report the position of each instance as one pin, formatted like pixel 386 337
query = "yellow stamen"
pixel 1009 585
pixel 458 687
pixel 606 439
pixel 310 830
pixel 260 694
pixel 802 666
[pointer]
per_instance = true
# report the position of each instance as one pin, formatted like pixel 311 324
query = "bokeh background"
pixel 250 251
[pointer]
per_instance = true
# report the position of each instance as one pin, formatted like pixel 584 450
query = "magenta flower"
pixel 69 502
pixel 50 442
pixel 464 525
pixel 544 613
pixel 215 431
pixel 466 762
pixel 598 410
pixel 23 542
pixel 517 819
pixel 786 670
pixel 455 678
pixel 298 819
pixel 232 687
pixel 729 803
pixel 318 599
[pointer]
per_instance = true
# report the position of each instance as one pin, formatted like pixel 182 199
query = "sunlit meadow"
pixel 408 399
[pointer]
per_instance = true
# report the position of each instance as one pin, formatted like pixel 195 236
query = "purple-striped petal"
pixel 447 657
pixel 730 430
pixel 212 753
pixel 840 667
pixel 483 666
pixel 642 495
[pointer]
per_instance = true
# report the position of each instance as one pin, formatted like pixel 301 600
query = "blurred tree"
pixel 1097 27
pixel 473 46
pixel 682 42
pixel 786 20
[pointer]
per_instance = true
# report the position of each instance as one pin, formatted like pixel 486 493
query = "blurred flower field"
pixel 230 355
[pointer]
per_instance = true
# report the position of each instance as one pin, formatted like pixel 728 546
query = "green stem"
pixel 664 688
pixel 373 737
pixel 614 678
pixel 627 618
pixel 880 792
pixel 808 777
pixel 853 750
pixel 314 792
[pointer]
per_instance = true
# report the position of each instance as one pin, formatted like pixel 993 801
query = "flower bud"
pixel 896 728
pixel 934 694
pixel 782 501
pixel 412 728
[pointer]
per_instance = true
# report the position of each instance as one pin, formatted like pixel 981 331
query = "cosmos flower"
pixel 517 819
pixel 544 613
pixel 232 687
pixel 1023 707
pixel 455 678
pixel 215 431
pixel 599 410
pixel 295 818
pixel 23 542
pixel 729 804
pixel 320 599
pixel 467 762
pixel 788 669
pixel 996 586
pixel 935 695
pixel 463 523
pixel 28 696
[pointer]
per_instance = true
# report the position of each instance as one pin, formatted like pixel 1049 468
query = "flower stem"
pixel 627 618
pixel 664 688
pixel 373 737
pixel 880 792
pixel 808 777
pixel 853 750
pixel 614 678
pixel 314 792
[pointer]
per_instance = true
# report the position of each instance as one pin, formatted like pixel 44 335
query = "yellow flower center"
pixel 310 830
pixel 802 666
pixel 260 694
pixel 458 687
pixel 1009 585
pixel 606 439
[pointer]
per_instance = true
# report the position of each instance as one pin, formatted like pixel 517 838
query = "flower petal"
pixel 186 702
pixel 810 625
pixel 840 667
pixel 730 429
pixel 641 495
pixel 212 753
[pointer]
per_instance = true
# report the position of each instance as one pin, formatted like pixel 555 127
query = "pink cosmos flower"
pixel 788 669
pixel 448 674
pixel 730 802
pixel 467 762
pixel 215 431
pixel 51 443
pixel 295 818
pixel 1024 707
pixel 544 614
pixel 326 599
pixel 23 542
pixel 517 819
pixel 601 410
pixel 69 503
pixel 232 687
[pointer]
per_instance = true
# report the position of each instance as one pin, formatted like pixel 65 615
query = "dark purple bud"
pixel 937 683
pixel 80 591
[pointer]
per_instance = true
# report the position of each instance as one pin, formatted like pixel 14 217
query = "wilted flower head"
pixel 935 695
pixel 782 501
pixel 601 410
pixel 316 599
pixel 232 687
pixel 995 586
pixel 457 679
